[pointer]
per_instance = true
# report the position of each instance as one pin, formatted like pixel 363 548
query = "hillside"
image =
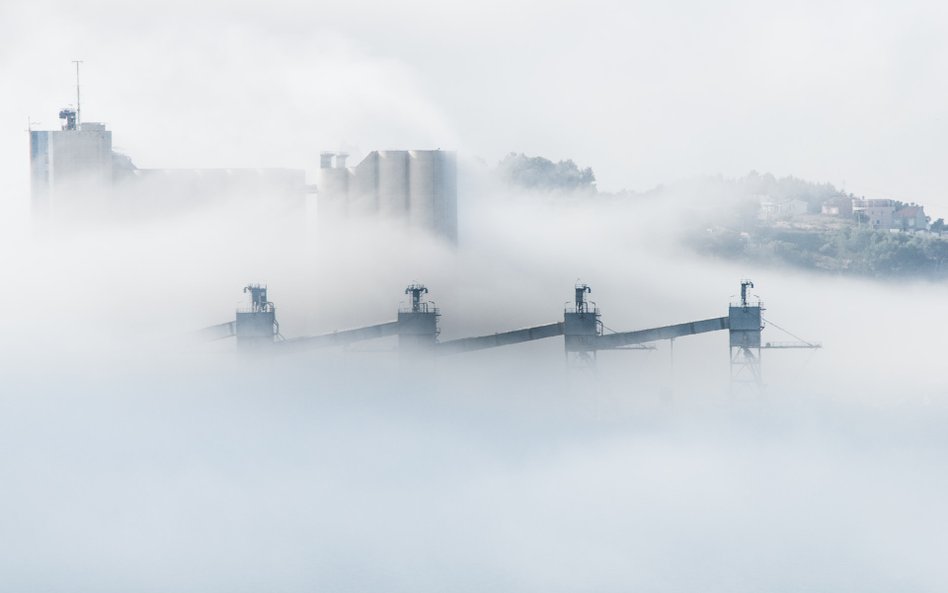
pixel 765 219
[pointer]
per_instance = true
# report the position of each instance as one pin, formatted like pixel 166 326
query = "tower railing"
pixel 422 308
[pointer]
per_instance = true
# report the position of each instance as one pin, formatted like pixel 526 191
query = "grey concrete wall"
pixel 393 184
pixel 363 187
pixel 417 188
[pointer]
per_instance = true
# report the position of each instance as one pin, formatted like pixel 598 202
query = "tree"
pixel 543 174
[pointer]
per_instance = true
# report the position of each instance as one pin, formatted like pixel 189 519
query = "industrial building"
pixel 76 175
pixel 417 188
pixel 70 163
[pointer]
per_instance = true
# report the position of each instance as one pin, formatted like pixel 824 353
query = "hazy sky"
pixel 644 92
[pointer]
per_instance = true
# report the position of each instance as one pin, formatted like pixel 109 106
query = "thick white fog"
pixel 137 459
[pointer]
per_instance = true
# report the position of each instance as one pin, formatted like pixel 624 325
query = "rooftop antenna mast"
pixel 78 105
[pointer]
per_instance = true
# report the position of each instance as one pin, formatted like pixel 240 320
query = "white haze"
pixel 645 92
pixel 136 460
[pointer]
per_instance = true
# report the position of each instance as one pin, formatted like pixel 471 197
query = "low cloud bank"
pixel 137 460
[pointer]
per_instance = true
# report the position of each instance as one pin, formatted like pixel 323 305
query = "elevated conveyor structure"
pixel 582 329
pixel 416 327
pixel 509 338
pixel 668 332
pixel 339 338
pixel 580 325
pixel 217 332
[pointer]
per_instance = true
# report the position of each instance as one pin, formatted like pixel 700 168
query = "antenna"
pixel 78 105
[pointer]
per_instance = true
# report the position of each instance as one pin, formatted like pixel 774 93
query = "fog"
pixel 846 92
pixel 135 458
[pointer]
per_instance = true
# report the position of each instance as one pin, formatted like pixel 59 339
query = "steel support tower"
pixel 745 324
pixel 581 328
pixel 256 327
pixel 417 323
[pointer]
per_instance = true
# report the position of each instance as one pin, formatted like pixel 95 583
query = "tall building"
pixel 77 176
pixel 70 168
pixel 415 187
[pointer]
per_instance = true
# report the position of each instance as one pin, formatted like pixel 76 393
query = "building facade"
pixel 70 168
pixel 910 218
pixel 877 213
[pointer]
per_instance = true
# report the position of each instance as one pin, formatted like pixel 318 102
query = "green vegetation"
pixel 854 250
pixel 732 228
pixel 722 217
pixel 538 173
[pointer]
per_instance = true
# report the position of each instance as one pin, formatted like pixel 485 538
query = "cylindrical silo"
pixel 363 187
pixel 393 184
pixel 332 188
pixel 433 192
pixel 446 200
pixel 423 185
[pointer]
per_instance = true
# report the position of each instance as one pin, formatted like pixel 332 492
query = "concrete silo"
pixel 393 185
pixel 424 173
pixel 363 187
pixel 417 188
pixel 333 187
pixel 432 198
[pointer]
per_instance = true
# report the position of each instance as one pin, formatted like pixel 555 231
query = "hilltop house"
pixel 837 206
pixel 876 213
pixel 910 218
pixel 771 209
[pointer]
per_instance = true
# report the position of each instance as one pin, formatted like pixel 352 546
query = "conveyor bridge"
pixel 416 327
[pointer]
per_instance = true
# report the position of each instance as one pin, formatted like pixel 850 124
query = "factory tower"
pixel 70 168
